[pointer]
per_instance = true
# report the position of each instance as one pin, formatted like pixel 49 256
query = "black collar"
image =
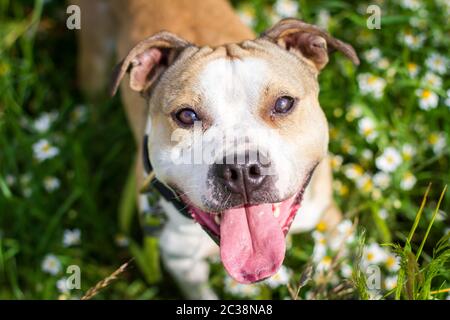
pixel 165 192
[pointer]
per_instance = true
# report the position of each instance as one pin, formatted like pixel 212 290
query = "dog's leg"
pixel 96 46
pixel 184 249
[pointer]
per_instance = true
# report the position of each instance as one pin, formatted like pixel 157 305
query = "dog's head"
pixel 237 131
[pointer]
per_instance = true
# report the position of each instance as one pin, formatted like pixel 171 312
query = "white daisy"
pixel 367 154
pixel 280 278
pixel 286 8
pixel 365 183
pixel 437 63
pixel 62 286
pixel 238 289
pixel 371 84
pixel 390 282
pixel 336 161
pixel 410 4
pixel 373 254
pixel 413 41
pixel 432 80
pixel 247 16
pixel 382 180
pixel 408 181
pixel 324 264
pixel 71 237
pixel 372 55
pixel 383 214
pixel 353 171
pixel 44 150
pixel 43 123
pixel 366 128
pixel 437 142
pixel 320 246
pixel 428 99
pixel 51 264
pixel 345 229
pixel 413 69
pixel 346 270
pixel 392 262
pixel 408 152
pixel 51 184
pixel 389 160
pixel 383 64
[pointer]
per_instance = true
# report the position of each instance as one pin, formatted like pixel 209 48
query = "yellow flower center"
pixel 370 256
pixel 426 94
pixel 46 147
pixel 371 80
pixel 321 226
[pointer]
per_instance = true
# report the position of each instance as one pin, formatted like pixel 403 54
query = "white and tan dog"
pixel 234 100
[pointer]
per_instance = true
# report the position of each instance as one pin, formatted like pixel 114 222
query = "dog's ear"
pixel 148 60
pixel 311 41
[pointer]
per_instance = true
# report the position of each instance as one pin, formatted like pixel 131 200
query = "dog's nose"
pixel 243 178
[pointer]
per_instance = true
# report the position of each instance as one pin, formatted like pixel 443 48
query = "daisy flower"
pixel 373 254
pixel 389 160
pixel 413 41
pixel 413 69
pixel 437 63
pixel 365 183
pixel 427 99
pixel 437 141
pixel 346 270
pixel 410 4
pixel 408 181
pixel 286 8
pixel 392 262
pixel 383 214
pixel 71 237
pixel 366 128
pixel 51 184
pixel 372 55
pixel 390 282
pixel 382 180
pixel 324 264
pixel 62 286
pixel 371 84
pixel 280 278
pixel 43 123
pixel 51 264
pixel 432 80
pixel 44 150
pixel 408 152
pixel 247 15
pixel 367 154
pixel 353 171
pixel 336 161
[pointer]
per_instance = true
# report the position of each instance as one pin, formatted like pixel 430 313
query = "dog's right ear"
pixel 148 60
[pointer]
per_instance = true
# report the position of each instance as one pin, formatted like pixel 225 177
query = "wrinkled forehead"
pixel 233 71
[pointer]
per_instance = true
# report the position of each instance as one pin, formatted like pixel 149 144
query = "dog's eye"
pixel 187 117
pixel 283 104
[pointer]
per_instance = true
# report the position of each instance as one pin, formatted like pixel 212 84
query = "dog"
pixel 195 71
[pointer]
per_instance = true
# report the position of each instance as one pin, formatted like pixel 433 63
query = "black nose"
pixel 243 178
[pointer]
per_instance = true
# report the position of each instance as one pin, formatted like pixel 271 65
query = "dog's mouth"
pixel 251 237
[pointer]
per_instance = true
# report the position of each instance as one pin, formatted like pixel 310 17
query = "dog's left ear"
pixel 148 60
pixel 313 43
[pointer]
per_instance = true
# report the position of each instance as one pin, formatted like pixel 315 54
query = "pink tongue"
pixel 252 244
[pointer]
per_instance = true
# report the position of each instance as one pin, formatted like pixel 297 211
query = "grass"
pixel 94 189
